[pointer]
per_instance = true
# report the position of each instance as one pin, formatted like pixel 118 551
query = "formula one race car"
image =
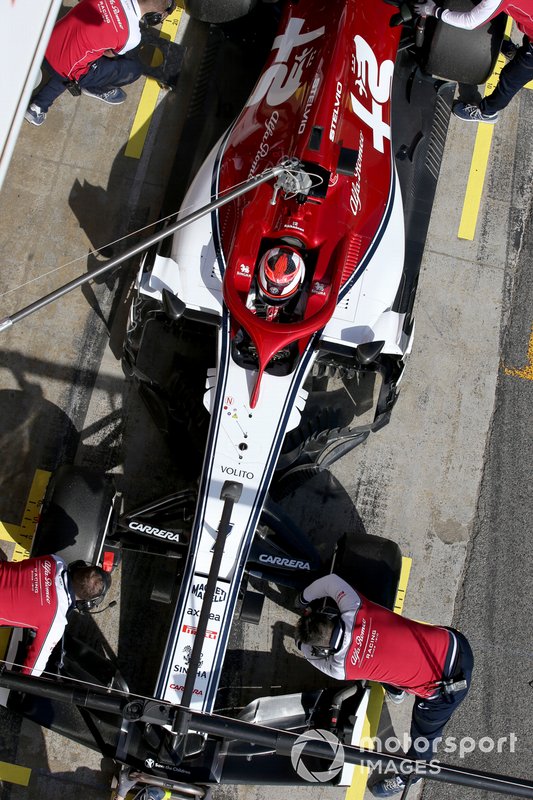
pixel 268 342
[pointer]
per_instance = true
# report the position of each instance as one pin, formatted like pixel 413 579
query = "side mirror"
pixel 367 353
pixel 405 15
pixel 172 305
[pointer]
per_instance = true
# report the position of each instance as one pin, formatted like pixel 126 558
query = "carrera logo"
pixel 178 688
pixel 289 563
pixel 151 531
pixel 193 631
pixel 219 594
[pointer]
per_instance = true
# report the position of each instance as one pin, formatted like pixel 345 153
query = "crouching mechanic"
pixel 360 640
pixel 38 593
pixel 515 74
pixel 90 51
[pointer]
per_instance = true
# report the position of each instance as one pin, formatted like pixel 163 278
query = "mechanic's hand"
pixel 426 9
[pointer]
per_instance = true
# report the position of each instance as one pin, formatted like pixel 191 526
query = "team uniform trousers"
pixel 104 74
pixel 513 77
pixel 430 715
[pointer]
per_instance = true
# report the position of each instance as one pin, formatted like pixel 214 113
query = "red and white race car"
pixel 272 338
pixel 288 309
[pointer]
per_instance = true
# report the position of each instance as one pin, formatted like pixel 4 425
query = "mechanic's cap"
pixel 280 274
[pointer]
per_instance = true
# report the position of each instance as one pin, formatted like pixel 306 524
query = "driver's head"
pixel 280 275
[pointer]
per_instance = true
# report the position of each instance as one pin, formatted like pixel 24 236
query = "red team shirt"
pixel 35 594
pixel 88 30
pixel 381 646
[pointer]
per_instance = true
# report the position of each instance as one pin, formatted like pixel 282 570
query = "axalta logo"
pixel 195 612
pixel 290 563
pixel 193 631
pixel 285 76
pixel 171 536
pixel 219 595
pixel 376 79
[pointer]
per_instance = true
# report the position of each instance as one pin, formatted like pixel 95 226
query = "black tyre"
pixel 218 11
pixel 75 515
pixel 463 56
pixel 372 565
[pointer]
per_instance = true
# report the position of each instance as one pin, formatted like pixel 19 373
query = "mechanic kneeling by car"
pixel 39 593
pixel 360 640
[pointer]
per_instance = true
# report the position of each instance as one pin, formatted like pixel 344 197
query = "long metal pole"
pixel 230 494
pixel 7 322
pixel 139 709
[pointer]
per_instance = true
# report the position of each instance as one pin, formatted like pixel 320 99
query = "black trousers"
pixel 103 74
pixel 430 716
pixel 513 77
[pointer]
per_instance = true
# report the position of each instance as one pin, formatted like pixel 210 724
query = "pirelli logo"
pixel 193 631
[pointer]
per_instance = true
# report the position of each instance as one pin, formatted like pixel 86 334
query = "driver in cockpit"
pixel 276 290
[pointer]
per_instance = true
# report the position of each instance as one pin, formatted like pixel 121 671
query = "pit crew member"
pixel 360 640
pixel 38 593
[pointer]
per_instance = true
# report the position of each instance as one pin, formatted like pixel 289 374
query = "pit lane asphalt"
pixel 450 478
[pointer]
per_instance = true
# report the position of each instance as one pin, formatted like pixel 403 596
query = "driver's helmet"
pixel 280 275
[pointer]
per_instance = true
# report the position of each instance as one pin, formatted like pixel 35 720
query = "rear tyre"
pixel 372 565
pixel 463 56
pixel 75 516
pixel 218 11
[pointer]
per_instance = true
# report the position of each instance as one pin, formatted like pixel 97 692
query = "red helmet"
pixel 280 275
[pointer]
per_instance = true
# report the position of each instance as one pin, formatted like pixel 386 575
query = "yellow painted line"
pixel 480 160
pixel 22 535
pixel 377 694
pixel 150 93
pixel 527 371
pixel 12 773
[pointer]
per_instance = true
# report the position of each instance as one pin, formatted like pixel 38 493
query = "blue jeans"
pixel 513 77
pixel 430 716
pixel 103 74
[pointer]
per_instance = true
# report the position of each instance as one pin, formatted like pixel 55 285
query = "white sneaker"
pixel 34 115
pixel 113 96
